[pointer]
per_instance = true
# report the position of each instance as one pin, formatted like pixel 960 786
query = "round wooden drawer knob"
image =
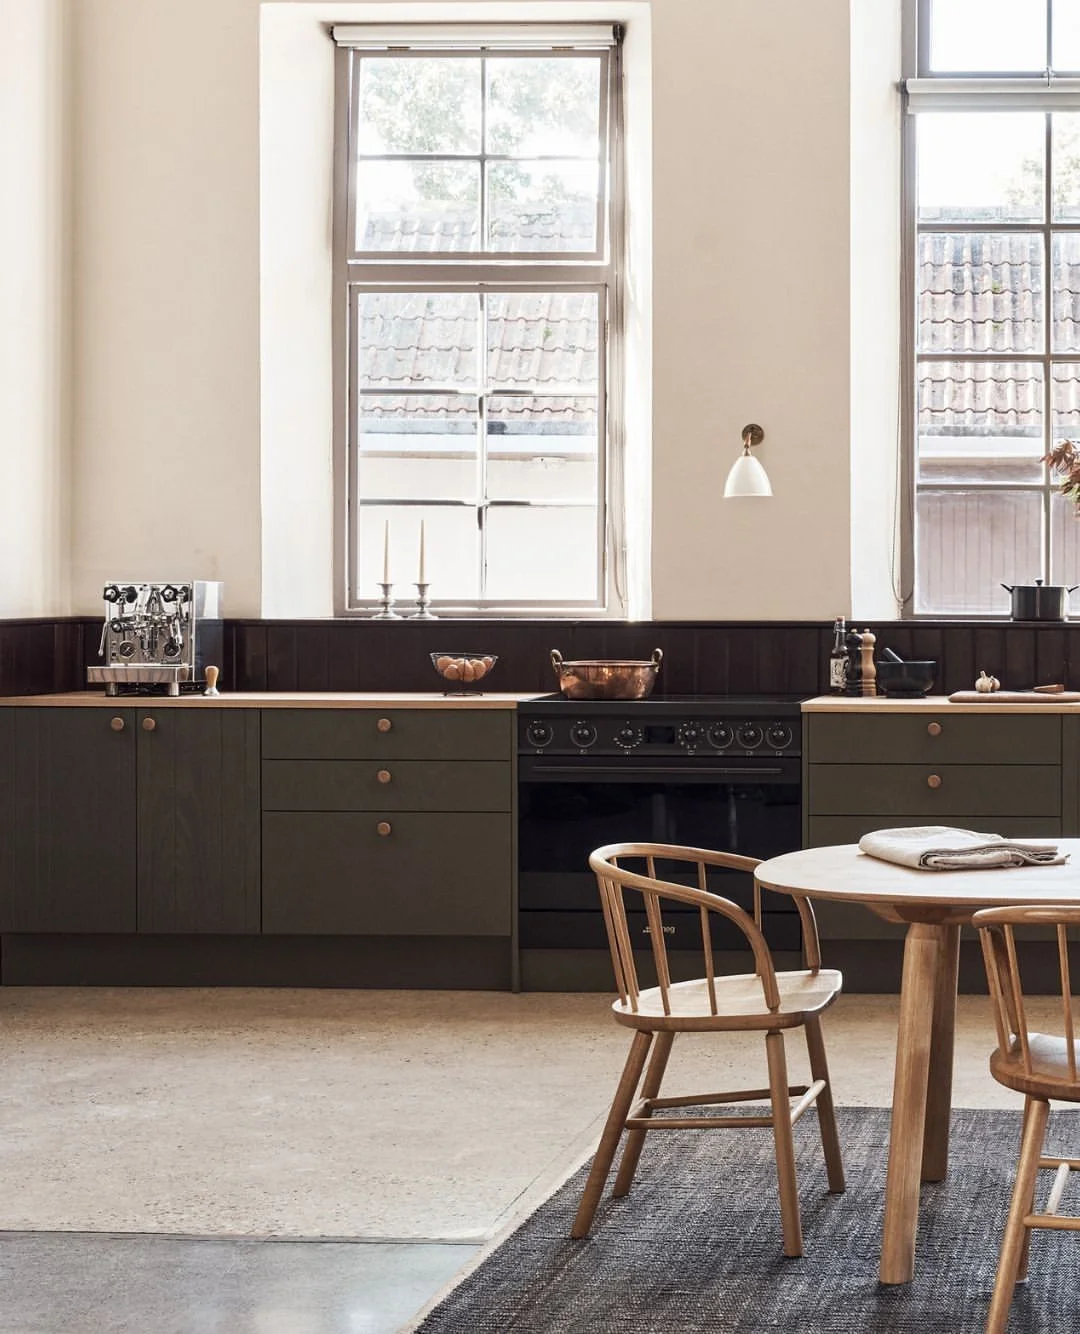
pixel 934 729
pixel 117 724
pixel 384 829
pixel 934 780
pixel 384 775
pixel 148 724
pixel 384 724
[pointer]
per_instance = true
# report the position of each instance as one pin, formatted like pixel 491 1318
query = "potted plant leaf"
pixel 1064 461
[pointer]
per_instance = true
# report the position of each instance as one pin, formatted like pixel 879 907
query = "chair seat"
pixel 739 1000
pixel 1049 1077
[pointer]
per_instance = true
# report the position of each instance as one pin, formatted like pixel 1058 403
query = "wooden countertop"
pixel 937 704
pixel 285 699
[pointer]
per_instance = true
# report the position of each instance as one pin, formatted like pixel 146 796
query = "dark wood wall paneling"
pixel 42 655
pixel 700 657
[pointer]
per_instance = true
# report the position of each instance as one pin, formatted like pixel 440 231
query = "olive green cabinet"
pixel 69 838
pixel 398 823
pixel 129 819
pixel 1013 774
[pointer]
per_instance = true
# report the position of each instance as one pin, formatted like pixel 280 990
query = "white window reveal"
pixel 478 243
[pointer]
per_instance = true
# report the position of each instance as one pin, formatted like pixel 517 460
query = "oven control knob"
pixel 539 734
pixel 690 735
pixel 582 734
pixel 749 735
pixel 720 735
pixel 778 736
pixel 628 736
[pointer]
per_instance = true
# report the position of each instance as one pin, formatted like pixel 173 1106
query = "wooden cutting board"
pixel 1014 697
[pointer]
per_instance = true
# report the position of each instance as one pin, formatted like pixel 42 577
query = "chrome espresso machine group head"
pixel 158 635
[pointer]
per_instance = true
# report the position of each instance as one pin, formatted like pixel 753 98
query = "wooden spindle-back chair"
pixel 1041 1066
pixel 764 1000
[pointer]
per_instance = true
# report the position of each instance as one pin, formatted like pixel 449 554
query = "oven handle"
pixel 582 772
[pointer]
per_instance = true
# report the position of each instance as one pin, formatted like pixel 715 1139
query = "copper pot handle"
pixel 556 659
pixel 657 657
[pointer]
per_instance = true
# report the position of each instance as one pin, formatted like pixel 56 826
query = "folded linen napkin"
pixel 941 848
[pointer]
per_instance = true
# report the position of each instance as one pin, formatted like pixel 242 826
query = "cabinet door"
pixel 409 873
pixel 198 805
pixel 73 805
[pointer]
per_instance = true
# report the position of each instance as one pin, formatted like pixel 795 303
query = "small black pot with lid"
pixel 1039 601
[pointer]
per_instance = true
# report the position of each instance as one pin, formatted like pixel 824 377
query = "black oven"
pixel 712 773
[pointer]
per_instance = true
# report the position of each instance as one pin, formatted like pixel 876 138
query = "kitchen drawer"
pixel 331 873
pixel 826 830
pixel 905 738
pixel 1011 790
pixel 413 785
pixel 414 734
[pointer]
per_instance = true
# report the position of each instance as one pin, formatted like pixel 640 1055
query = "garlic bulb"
pixel 986 685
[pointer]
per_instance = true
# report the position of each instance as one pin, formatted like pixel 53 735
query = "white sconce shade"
pixel 747 477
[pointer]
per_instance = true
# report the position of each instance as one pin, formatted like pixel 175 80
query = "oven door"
pixel 562 822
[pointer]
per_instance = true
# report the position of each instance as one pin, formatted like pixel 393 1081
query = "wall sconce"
pixel 747 477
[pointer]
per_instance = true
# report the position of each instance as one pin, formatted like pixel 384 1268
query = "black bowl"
pixel 906 680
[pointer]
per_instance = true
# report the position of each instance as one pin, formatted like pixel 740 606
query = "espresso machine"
pixel 158 637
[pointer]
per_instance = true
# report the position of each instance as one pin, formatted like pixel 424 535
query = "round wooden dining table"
pixel 933 905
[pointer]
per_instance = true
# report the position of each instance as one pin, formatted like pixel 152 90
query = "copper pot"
pixel 612 678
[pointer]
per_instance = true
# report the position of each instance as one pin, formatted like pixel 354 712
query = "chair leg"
pixel 635 1139
pixel 1036 1112
pixel 785 1144
pixel 613 1128
pixel 830 1141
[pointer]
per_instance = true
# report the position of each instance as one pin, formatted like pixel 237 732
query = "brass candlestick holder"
pixel 386 611
pixel 423 610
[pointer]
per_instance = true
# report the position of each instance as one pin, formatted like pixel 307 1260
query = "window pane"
pixel 417 447
pixel 419 104
pixel 980 168
pixel 1065 387
pixel 544 105
pixel 417 206
pixel 1066 34
pixel 542 553
pixel 451 557
pixel 542 205
pixel 980 422
pixel 1065 548
pixel 980 292
pixel 542 340
pixel 418 339
pixel 1066 291
pixel 542 449
pixel 967 543
pixel 970 35
pixel 1065 157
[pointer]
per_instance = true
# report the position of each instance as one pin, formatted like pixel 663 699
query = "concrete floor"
pixel 330 1159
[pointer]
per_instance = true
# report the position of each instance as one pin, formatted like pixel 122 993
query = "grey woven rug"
pixel 696 1244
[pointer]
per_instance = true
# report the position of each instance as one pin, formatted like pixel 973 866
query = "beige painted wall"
pixel 33 521
pixel 752 301
pixel 166 295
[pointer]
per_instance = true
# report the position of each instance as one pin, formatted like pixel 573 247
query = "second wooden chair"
pixel 1041 1066
pixel 764 1001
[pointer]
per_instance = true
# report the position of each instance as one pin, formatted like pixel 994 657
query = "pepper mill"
pixel 868 672
pixel 211 691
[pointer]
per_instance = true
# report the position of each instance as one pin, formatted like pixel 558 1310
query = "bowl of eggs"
pixel 462 670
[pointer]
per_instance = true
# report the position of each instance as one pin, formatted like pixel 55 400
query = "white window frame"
pixel 599 271
pixel 927 90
